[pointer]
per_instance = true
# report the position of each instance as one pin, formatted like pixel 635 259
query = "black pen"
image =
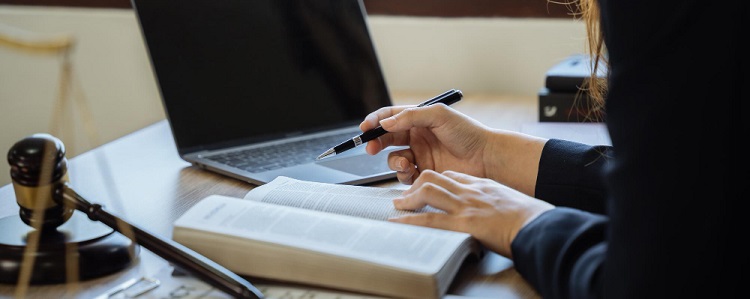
pixel 449 97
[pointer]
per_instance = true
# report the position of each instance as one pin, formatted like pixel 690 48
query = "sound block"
pixel 98 249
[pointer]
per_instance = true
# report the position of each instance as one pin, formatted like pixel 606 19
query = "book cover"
pixel 326 235
pixel 568 75
pixel 567 107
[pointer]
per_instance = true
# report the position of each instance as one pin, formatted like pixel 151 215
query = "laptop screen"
pixel 234 71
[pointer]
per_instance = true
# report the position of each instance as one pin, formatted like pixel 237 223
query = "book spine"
pixel 564 107
pixel 570 74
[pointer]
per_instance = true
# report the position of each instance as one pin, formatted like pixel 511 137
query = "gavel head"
pixel 38 170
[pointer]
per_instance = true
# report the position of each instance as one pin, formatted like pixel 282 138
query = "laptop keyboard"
pixel 279 155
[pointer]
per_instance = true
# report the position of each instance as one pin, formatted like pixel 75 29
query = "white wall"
pixel 494 55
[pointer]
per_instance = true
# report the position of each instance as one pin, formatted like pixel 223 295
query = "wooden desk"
pixel 141 178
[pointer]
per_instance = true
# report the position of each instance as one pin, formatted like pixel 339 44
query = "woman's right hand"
pixel 440 138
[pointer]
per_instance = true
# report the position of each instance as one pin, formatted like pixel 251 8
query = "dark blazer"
pixel 656 215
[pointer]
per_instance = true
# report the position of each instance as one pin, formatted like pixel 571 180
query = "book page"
pixel 419 249
pixel 359 201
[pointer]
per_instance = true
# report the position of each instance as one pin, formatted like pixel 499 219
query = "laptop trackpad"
pixel 361 165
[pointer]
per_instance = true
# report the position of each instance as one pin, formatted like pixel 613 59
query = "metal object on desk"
pixel 39 174
pixel 49 243
pixel 131 288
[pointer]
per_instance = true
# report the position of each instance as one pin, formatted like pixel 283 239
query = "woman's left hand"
pixel 491 212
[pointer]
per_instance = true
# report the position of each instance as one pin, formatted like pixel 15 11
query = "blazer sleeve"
pixel 570 175
pixel 562 252
pixel 568 241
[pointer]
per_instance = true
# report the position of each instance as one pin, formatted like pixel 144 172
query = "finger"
pixel 408 174
pixel 374 146
pixel 408 177
pixel 419 117
pixel 426 194
pixel 372 120
pixel 434 220
pixel 401 160
pixel 378 144
pixel 460 177
pixel 430 176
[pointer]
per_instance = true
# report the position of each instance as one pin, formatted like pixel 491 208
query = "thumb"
pixel 417 117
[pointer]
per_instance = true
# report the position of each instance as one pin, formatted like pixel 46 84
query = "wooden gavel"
pixel 46 201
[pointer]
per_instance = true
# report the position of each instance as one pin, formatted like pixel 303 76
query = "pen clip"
pixel 437 98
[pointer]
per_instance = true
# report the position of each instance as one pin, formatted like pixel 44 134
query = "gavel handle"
pixel 187 259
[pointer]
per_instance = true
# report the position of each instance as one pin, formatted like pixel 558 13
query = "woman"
pixel 651 216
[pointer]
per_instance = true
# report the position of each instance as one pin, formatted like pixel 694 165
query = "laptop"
pixel 256 89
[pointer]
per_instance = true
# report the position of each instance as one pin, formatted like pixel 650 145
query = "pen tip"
pixel 326 154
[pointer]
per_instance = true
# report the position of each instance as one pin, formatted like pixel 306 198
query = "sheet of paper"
pixel 165 285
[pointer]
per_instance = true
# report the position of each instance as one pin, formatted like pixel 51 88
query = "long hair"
pixel 595 86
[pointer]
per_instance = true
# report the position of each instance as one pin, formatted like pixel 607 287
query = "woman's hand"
pixel 491 212
pixel 440 138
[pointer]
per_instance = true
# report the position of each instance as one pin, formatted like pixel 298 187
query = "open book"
pixel 328 235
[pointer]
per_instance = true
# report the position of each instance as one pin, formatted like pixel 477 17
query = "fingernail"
pixel 387 122
pixel 403 164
